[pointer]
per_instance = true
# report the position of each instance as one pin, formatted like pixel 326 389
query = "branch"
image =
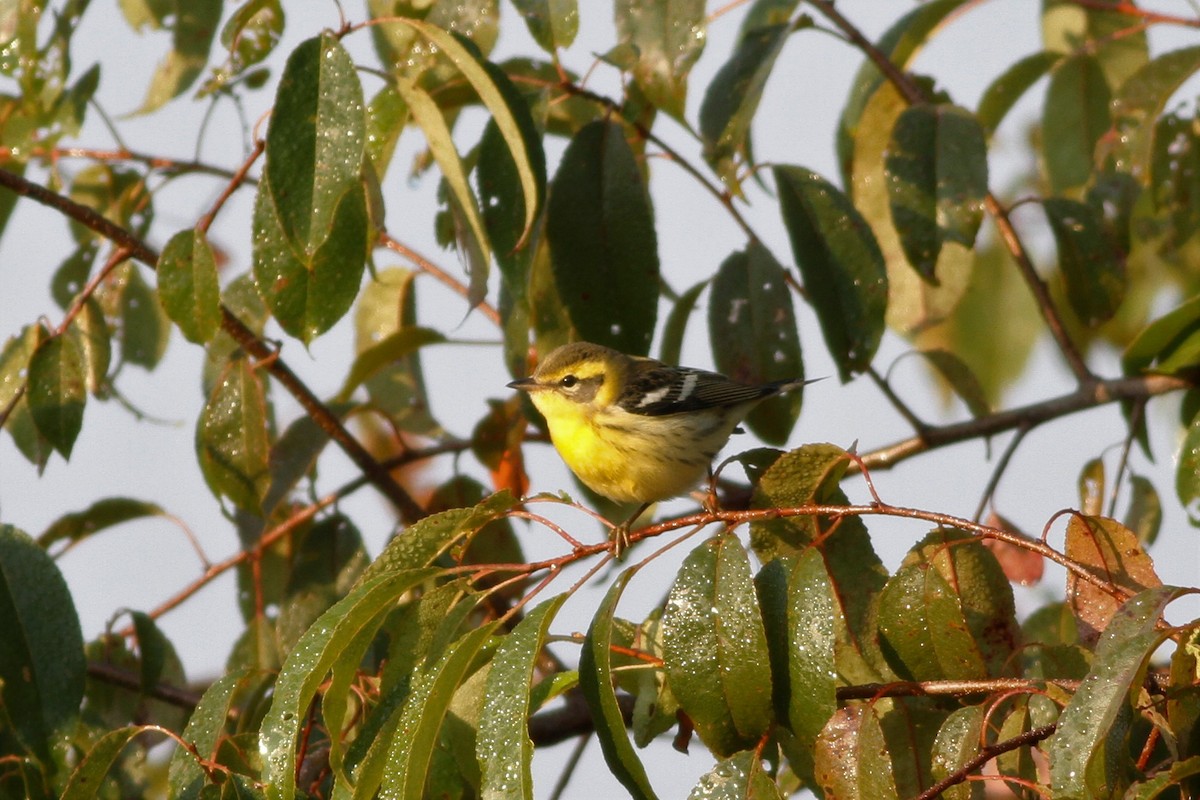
pixel 985 755
pixel 127 679
pixel 410 511
pixel 1091 395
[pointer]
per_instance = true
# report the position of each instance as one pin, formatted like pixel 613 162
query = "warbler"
pixel 634 429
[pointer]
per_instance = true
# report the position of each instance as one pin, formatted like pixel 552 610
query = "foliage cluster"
pixel 784 646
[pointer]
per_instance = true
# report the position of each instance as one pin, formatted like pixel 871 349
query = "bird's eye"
pixel 568 382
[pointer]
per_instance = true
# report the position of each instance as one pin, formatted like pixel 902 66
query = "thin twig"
pixel 1000 469
pixel 427 266
pixel 986 754
pixel 235 181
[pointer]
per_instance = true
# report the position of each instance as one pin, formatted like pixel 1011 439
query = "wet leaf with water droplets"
pixel 1112 553
pixel 1092 268
pixel 232 442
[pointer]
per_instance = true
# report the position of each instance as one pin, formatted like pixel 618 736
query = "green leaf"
pixel 1121 50
pixel 91 332
pixel 206 728
pixel 552 23
pixel 106 513
pixel 840 261
pixel 387 114
pixel 1168 344
pixel 732 98
pixel 309 293
pixel 948 612
pixel 57 391
pixel 314 656
pixel 316 142
pixel 1004 92
pixel 416 736
pixel 1139 102
pixel 1075 116
pixel 936 166
pixel 251 33
pixel 1092 269
pixel 961 379
pixel 435 534
pixel 42 667
pixel 193 27
pixel 715 647
pixel 14 367
pixel 754 336
pixel 232 442
pixel 603 245
pixel 900 44
pixel 667 37
pixel 739 777
pixel 1187 471
pixel 811 474
pixel 502 745
pixel 676 325
pixel 87 779
pixel 958 741
pixel 596 683
pixel 187 285
pixel 1089 744
pixel 384 354
pixel 1144 515
pixel 797 597
pixel 145 328
pixel 474 245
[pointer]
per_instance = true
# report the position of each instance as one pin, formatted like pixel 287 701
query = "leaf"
pixel 1139 102
pixel 384 354
pixel 1144 515
pixel 232 442
pixel 1092 269
pixel 1092 728
pixel 91 332
pixel 1187 471
pixel 811 474
pixel 1004 92
pixel 732 98
pixel 42 666
pixel 715 647
pixel 106 513
pixel 799 612
pixel 852 758
pixel 1120 50
pixel 426 540
pixel 937 173
pixel 742 776
pixel 676 324
pixel 552 23
pixel 595 680
pixel 1113 554
pixel 318 650
pixel 316 142
pixel 416 736
pixel 187 285
pixel 57 391
pixel 145 329
pixel 667 38
pixel 1168 344
pixel 948 613
pixel 473 240
pixel 754 336
pixel 961 379
pixel 840 261
pixel 958 741
pixel 1075 116
pixel 603 246
pixel 88 777
pixel 1091 487
pixel 193 26
pixel 503 746
pixel 205 730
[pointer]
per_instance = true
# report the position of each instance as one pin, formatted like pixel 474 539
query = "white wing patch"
pixel 649 398
pixel 689 385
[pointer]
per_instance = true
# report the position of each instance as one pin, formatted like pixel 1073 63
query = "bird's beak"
pixel 523 384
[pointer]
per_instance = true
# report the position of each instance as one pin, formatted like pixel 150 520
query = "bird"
pixel 634 429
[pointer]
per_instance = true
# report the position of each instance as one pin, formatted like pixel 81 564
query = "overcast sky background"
pixel 141 564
